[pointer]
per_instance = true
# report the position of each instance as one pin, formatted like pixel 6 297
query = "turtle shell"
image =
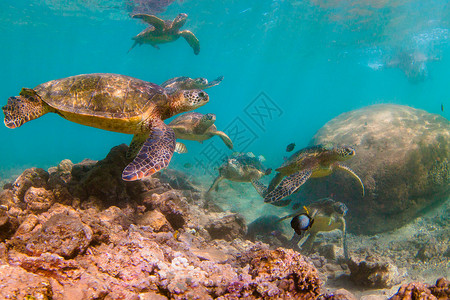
pixel 304 155
pixel 102 95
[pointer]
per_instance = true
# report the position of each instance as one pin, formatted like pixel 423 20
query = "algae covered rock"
pixel 403 158
pixel 16 283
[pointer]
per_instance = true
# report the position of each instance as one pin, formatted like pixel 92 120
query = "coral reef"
pixel 417 290
pixel 402 157
pixel 80 232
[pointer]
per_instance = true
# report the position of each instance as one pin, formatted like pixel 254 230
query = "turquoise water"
pixel 312 60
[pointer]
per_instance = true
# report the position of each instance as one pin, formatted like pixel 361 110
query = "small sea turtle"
pixel 164 31
pixel 315 161
pixel 185 83
pixel 240 167
pixel 323 215
pixel 195 126
pixel 116 103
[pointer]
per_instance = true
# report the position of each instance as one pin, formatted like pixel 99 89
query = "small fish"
pixel 301 223
pixel 442 107
pixel 290 147
pixel 187 165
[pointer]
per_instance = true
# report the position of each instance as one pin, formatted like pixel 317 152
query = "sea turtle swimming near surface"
pixel 240 167
pixel 185 83
pixel 195 126
pixel 323 215
pixel 116 103
pixel 164 31
pixel 315 161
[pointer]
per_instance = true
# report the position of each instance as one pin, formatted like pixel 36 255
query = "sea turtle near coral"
pixel 240 167
pixel 310 162
pixel 164 31
pixel 116 103
pixel 195 126
pixel 323 215
pixel 186 83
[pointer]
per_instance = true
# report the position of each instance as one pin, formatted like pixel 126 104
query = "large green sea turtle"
pixel 186 83
pixel 164 31
pixel 240 167
pixel 315 161
pixel 116 103
pixel 195 126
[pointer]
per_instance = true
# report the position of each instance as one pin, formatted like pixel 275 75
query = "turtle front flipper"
pixel 225 138
pixel 275 182
pixel 259 187
pixel 214 82
pixel 288 186
pixel 350 171
pixel 23 108
pixel 205 122
pixel 192 40
pixel 136 145
pixel 154 155
pixel 152 20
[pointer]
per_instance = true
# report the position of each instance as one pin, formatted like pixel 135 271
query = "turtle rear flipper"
pixel 155 154
pixel 192 40
pixel 288 186
pixel 21 109
pixel 225 138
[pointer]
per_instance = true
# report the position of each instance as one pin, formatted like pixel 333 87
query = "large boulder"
pixel 402 156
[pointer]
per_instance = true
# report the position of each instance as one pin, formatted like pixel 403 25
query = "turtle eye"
pixel 201 94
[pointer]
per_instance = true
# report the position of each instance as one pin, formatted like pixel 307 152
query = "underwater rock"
pixel 402 157
pixel 227 227
pixel 62 234
pixel 8 225
pixel 374 274
pixel 179 180
pixel 156 220
pixel 268 230
pixel 156 243
pixel 33 177
pixel 16 283
pixel 418 290
pixel 340 294
pixel 283 274
pixel 38 199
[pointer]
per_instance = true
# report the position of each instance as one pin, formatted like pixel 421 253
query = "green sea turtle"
pixel 240 167
pixel 185 83
pixel 323 215
pixel 116 103
pixel 315 161
pixel 195 126
pixel 164 31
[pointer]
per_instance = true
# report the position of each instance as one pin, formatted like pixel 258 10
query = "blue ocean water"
pixel 288 66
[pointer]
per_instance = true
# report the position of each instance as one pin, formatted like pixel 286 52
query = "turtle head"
pixel 344 152
pixel 179 21
pixel 187 100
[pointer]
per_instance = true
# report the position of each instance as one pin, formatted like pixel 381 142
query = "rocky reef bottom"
pixel 77 231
